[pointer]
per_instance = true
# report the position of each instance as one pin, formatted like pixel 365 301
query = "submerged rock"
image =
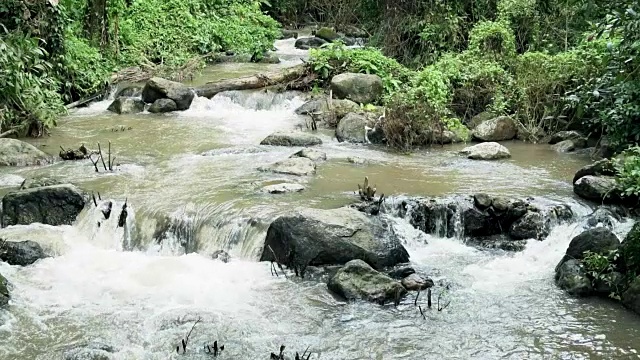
pixel 498 129
pixel 159 88
pixel 352 129
pixel 415 282
pixel 331 237
pixel 163 106
pixel 126 105
pixel 19 153
pixel 93 351
pixel 486 151
pixel 21 253
pixel 307 43
pixel 4 291
pixel 359 281
pixel 603 167
pixel 39 182
pixel 51 205
pixel 311 154
pixel 298 166
pixel 291 138
pixel 361 88
pixel 564 135
pixel 221 255
pixel 571 277
pixel 597 188
pixel 570 145
pixel 282 188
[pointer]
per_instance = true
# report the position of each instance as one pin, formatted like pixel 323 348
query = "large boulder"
pixel 21 253
pixel 479 119
pixel 327 34
pixel 51 205
pixel 359 281
pixel 571 277
pixel 126 105
pixel 19 153
pixel 530 226
pixel 313 237
pixel 631 297
pixel 291 138
pixel 570 145
pixel 597 240
pixel 298 166
pixel 163 106
pixel 328 115
pixel 352 129
pixel 497 129
pixel 597 188
pixel 604 167
pixel 564 135
pixel 307 43
pixel 311 154
pixel 159 88
pixel 361 88
pixel 4 291
pixel 129 91
pixel 486 151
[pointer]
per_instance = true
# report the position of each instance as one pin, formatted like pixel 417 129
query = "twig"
pixel 429 298
pixel 22 185
pixel 277 262
pixel 422 312
pixel 415 302
pixel 102 157
pixel 95 163
pixel 109 160
pixel 94 199
pixel 186 342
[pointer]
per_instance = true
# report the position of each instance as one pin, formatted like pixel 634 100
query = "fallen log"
pixel 285 76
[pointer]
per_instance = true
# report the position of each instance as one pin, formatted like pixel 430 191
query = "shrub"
pixel 493 40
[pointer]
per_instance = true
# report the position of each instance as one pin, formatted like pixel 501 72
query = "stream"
pixel 198 169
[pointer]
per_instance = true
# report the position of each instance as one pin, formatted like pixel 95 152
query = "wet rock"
pixel 401 273
pixel 332 237
pixel 603 216
pixel 479 119
pixel 327 34
pixel 307 43
pixel 357 160
pixel 353 31
pixel 609 283
pixel 486 151
pixel 51 205
pixel 288 34
pixel 126 105
pixel 563 212
pixel 292 138
pixel 572 278
pixel 500 204
pixel 482 201
pixel 564 135
pixel 311 154
pixel 603 167
pixel 19 153
pixel 348 41
pixel 282 188
pixel 163 106
pixel 597 188
pixel 631 297
pixel 93 351
pixel 415 282
pixel 359 281
pixel 129 91
pixel 329 117
pixel 221 255
pixel 597 240
pixel 22 253
pixel 498 129
pixel 4 291
pixel 531 226
pixel 293 166
pixel 570 145
pixel 352 129
pixel 361 88
pixel 159 88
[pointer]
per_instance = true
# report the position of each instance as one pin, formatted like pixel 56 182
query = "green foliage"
pixel 631 251
pixel 86 71
pixel 493 40
pixel 600 267
pixel 628 170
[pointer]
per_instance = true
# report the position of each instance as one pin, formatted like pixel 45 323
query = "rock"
pixel 292 138
pixel 332 237
pixel 352 31
pixel 348 41
pixel 572 278
pixel 415 282
pixel 482 201
pixel 603 216
pixel 361 88
pixel 531 226
pixel 4 291
pixel 564 135
pixel 357 160
pixel 352 129
pixel 401 273
pixel 631 297
pixel 319 108
pixel 159 88
pixel 22 253
pixel 311 154
pixel 630 251
pixel 163 106
pixel 597 240
pixel 221 255
pixel 52 205
pixel 39 182
pixel 282 188
pixel 359 281
pixel 327 34
pixel 293 166
pixel 498 129
pixel 609 283
pixel 93 351
pixel 126 105
pixel 307 43
pixel 603 167
pixel 597 188
pixel 479 119
pixel 19 153
pixel 288 34
pixel 570 145
pixel 486 151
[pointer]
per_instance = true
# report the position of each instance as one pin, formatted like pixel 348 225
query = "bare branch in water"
pixel 185 342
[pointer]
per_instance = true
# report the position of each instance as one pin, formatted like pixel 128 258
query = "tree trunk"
pixel 96 24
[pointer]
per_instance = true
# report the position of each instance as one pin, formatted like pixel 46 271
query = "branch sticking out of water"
pixel 102 157
pixel 185 341
pixel 277 262
pixel 429 298
pixel 422 312
pixel 445 305
pixel 93 196
pixel 214 350
pixel 122 219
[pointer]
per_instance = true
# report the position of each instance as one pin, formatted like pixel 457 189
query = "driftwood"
pixel 82 101
pixel 293 77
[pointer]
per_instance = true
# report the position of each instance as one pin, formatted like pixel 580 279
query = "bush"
pixel 493 40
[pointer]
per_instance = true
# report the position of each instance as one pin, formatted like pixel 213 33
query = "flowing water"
pixel 141 291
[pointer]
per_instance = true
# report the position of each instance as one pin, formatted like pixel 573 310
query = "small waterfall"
pixel 109 225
